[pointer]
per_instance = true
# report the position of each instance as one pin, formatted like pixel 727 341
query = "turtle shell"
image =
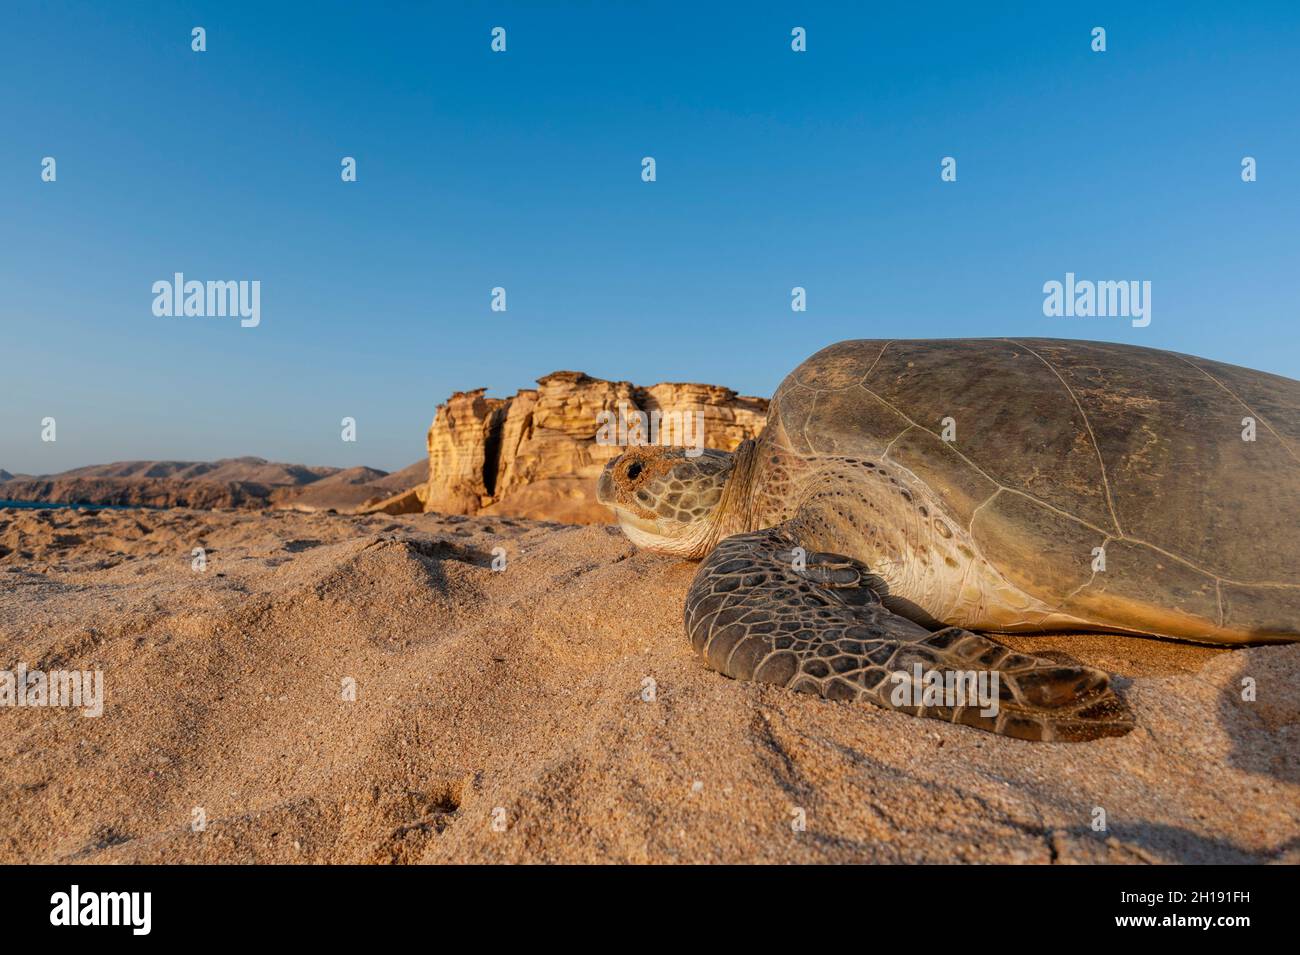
pixel 1184 470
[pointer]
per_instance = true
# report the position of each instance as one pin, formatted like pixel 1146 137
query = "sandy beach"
pixel 549 711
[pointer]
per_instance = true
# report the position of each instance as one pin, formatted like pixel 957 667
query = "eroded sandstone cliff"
pixel 536 454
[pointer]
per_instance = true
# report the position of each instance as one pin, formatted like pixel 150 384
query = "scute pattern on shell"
pixel 1062 447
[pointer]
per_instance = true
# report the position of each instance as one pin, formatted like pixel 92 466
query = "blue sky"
pixel 522 170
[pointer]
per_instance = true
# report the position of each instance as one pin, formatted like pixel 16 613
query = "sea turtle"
pixel 906 493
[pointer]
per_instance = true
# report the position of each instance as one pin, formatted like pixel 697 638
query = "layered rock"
pixel 536 454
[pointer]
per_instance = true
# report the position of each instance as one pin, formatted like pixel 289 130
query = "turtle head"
pixel 667 499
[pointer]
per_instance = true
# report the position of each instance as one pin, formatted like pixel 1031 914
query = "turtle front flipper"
pixel 761 608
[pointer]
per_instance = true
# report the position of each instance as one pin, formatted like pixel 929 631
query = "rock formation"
pixel 536 454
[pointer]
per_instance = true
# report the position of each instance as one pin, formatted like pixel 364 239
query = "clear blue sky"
pixel 522 170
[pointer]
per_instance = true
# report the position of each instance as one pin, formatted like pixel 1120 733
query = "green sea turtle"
pixel 906 495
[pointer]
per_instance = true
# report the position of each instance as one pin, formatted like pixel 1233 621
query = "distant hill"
pixel 251 469
pixel 351 476
pixel 351 488
pixel 226 483
pixel 405 479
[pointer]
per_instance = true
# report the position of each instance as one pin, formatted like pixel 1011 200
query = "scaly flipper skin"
pixel 821 629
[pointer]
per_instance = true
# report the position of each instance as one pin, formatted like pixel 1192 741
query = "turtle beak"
pixel 627 520
pixel 644 533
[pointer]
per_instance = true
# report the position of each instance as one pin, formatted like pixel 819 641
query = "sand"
pixel 499 715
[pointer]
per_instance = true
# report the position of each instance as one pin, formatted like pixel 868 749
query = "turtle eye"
pixel 633 470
